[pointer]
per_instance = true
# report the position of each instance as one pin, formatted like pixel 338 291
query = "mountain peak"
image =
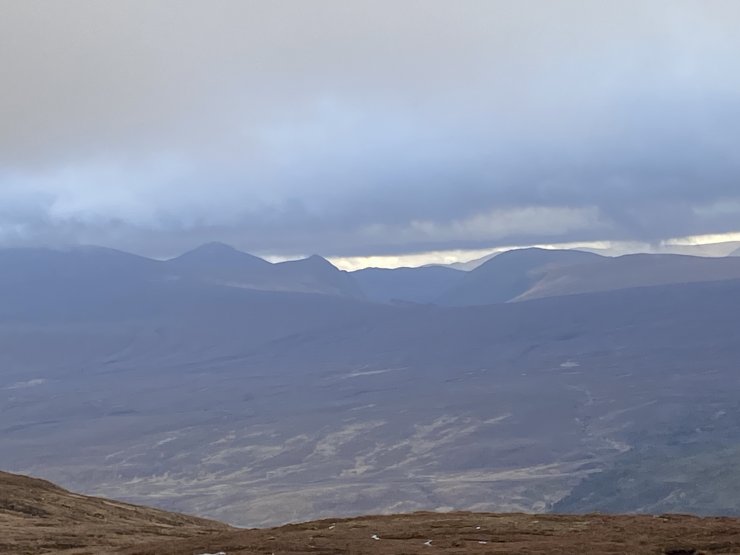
pixel 214 247
pixel 318 259
pixel 209 252
pixel 313 261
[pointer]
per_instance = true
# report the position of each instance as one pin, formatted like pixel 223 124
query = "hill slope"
pixel 37 517
pixel 632 270
pixel 221 264
pixel 526 274
pixel 264 408
pixel 420 285
pixel 511 274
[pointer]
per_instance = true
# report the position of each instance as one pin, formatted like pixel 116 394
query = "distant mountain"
pixel 711 250
pixel 421 285
pixel 80 264
pixel 220 263
pixel 50 275
pixel 510 274
pixel 535 273
pixel 314 274
pixel 633 270
pixel 472 264
pixel 42 282
pixel 154 381
pixel 724 248
pixel 224 265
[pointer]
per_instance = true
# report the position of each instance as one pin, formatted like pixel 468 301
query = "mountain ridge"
pixel 514 275
pixel 632 270
pixel 510 274
pixel 211 263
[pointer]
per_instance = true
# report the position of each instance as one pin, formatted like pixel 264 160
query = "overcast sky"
pixel 354 128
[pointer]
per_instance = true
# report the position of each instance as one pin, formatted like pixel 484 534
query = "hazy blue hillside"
pixel 44 276
pixel 536 273
pixel 421 285
pixel 220 263
pixel 264 407
pixel 314 274
pixel 510 274
pixel 633 270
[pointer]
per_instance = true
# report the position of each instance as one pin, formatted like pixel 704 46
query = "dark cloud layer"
pixel 352 128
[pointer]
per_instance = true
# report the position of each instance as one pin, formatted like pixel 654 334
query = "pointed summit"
pixel 315 261
pixel 221 264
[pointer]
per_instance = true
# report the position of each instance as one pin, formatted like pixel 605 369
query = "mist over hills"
pixel 185 384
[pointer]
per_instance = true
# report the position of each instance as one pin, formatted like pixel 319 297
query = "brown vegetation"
pixel 38 517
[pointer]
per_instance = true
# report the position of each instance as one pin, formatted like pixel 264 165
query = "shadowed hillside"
pixel 511 274
pixel 421 285
pixel 536 273
pixel 633 270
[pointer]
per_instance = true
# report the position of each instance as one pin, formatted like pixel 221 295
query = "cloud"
pixel 365 128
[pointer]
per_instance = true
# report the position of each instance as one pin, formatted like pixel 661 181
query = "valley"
pixel 259 408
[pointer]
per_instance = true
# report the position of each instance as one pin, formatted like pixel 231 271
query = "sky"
pixel 367 129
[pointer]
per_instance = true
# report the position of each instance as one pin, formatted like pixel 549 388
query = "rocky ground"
pixel 37 517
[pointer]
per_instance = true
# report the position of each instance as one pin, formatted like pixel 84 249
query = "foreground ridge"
pixel 39 517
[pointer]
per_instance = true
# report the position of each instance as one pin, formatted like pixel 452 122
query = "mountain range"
pixel 507 277
pixel 221 385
